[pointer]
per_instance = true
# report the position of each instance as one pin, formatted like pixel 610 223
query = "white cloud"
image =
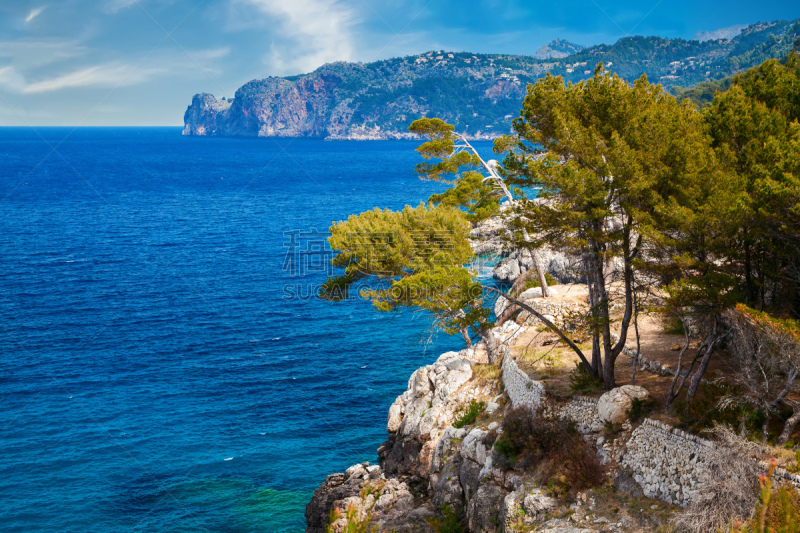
pixel 34 13
pixel 308 32
pixel 33 54
pixel 118 5
pixel 109 75
pixel 211 54
pixel 11 80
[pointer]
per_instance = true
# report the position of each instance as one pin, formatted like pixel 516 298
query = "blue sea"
pixel 164 366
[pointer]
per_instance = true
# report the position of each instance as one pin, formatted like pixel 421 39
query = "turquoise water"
pixel 153 375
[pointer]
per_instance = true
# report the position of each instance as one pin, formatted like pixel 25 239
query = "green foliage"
pixel 704 411
pixel 418 255
pixel 581 381
pixel 755 130
pixel 461 168
pixel 673 326
pixel 603 149
pixel 531 283
pixel 448 522
pixel 468 414
pixel 703 93
pixel 640 409
pixel 555 449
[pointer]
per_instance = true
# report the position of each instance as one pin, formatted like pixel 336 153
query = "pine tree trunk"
pixel 467 339
pixel 536 265
pixel 492 348
pixel 788 427
pixel 603 315
pixel 596 359
pixel 710 345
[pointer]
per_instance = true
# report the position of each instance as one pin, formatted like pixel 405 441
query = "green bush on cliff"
pixel 532 283
pixel 553 449
pixel 449 522
pixel 469 414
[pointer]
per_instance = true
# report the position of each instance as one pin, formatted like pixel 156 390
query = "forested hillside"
pixel 478 93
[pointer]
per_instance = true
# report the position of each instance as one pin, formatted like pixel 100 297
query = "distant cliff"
pixel 478 93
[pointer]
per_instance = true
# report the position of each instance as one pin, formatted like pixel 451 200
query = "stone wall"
pixel 784 476
pixel 665 461
pixel 582 411
pixel 521 389
pixel 554 312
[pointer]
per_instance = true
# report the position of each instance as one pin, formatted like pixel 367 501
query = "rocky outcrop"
pixel 203 114
pixel 427 463
pixel 558 264
pixel 418 417
pixel 387 501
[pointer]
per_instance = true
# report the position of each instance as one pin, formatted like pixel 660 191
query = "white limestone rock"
pixel 614 405
pixel 473 447
pixel 536 292
pixel 537 504
pixel 395 417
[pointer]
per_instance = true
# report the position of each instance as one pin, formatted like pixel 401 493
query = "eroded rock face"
pixel 418 417
pixel 202 116
pixel 427 463
pixel 558 264
pixel 485 508
pixel 614 405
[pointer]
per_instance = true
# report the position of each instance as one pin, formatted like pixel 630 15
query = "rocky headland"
pixel 478 93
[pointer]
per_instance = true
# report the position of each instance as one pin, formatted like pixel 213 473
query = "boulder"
pixel 614 405
pixel 506 270
pixel 536 292
pixel 395 417
pixel 473 447
pixel 625 483
pixel 537 504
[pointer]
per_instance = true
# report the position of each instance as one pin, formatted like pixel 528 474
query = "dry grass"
pixel 729 490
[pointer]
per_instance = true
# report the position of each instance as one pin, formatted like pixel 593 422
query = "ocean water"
pixel 162 367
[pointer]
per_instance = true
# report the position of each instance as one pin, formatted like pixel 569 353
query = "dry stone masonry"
pixel 521 389
pixel 666 462
pixel 583 411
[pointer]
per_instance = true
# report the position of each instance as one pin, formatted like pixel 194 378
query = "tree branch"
pixel 549 324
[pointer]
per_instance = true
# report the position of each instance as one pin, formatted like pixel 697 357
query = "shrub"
pixel 469 414
pixel 449 522
pixel 777 511
pixel 704 411
pixel 356 520
pixel 640 408
pixel 783 511
pixel 673 326
pixel 555 448
pixel 582 381
pixel 729 490
pixel 531 283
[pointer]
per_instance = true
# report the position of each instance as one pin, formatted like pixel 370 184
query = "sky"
pixel 138 62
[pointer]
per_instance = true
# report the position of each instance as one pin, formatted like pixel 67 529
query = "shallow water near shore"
pixel 154 376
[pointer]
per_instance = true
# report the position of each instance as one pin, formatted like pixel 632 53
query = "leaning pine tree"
pixel 609 160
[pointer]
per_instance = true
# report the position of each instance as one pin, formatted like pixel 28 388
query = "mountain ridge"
pixel 479 93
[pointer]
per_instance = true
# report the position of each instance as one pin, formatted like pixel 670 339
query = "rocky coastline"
pixel 435 463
